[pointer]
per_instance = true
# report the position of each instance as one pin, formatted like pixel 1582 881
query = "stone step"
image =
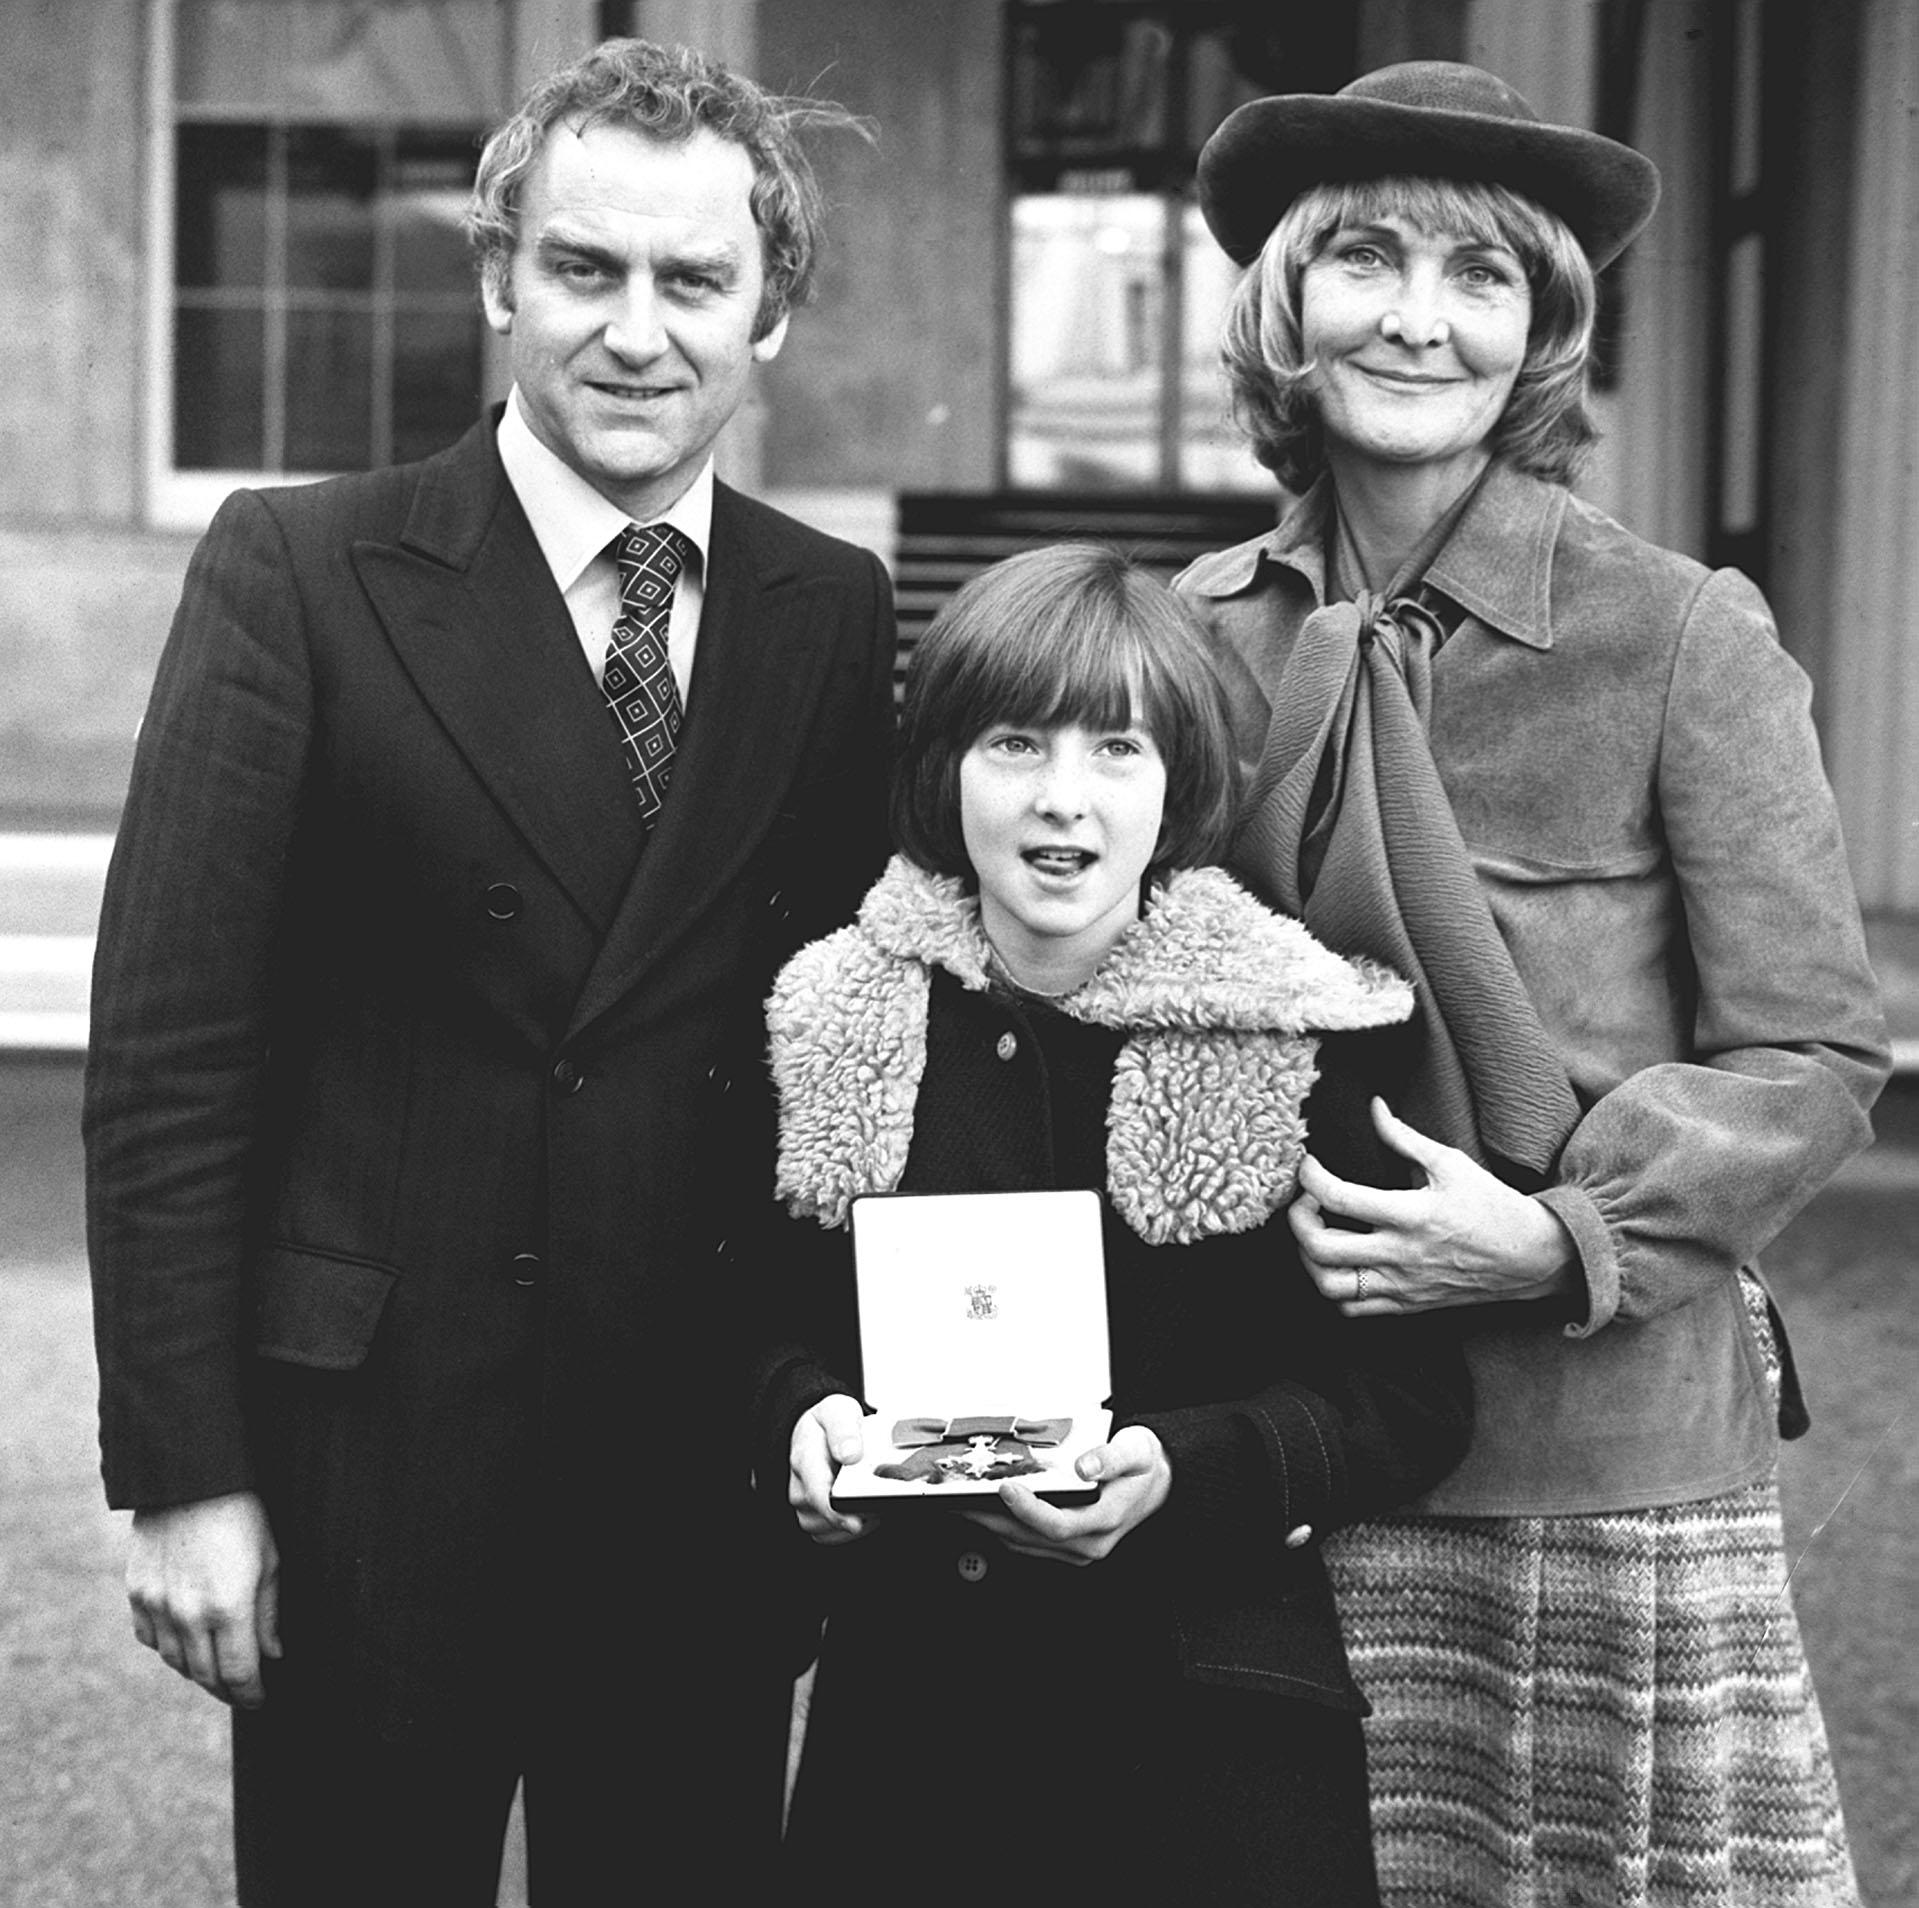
pixel 49 907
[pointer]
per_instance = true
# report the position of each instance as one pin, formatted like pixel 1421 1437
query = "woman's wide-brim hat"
pixel 1429 119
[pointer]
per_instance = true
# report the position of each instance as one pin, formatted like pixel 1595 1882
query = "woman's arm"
pixel 1462 1237
pixel 1687 1168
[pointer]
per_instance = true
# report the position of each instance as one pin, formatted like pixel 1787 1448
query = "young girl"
pixel 1049 989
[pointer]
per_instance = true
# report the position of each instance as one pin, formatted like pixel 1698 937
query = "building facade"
pixel 231 228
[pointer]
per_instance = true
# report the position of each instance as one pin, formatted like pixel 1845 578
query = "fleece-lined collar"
pixel 1205 955
pixel 1221 997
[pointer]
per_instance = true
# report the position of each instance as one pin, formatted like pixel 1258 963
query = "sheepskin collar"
pixel 1221 998
pixel 1204 955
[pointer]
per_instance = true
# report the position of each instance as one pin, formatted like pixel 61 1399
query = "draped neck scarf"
pixel 1348 820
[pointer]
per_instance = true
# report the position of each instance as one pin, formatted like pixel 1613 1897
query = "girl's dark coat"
pixel 1282 1419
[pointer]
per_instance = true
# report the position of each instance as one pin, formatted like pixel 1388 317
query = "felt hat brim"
pixel 1269 151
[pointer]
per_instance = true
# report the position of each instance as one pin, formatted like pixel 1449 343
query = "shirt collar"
pixel 572 522
pixel 1496 565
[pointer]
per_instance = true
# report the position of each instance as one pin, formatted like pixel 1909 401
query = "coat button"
pixel 971 1566
pixel 526 1268
pixel 1007 1047
pixel 1299 1536
pixel 567 1076
pixel 502 901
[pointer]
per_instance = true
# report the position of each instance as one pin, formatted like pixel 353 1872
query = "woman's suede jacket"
pixel 1632 762
pixel 1176 1078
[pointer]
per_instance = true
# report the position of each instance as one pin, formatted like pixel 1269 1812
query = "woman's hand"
pixel 1134 1475
pixel 826 1437
pixel 1463 1238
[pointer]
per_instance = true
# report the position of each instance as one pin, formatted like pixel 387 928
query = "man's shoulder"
pixel 379 502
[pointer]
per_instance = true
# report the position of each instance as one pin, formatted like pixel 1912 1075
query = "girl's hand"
pixel 826 1437
pixel 1134 1474
pixel 1463 1238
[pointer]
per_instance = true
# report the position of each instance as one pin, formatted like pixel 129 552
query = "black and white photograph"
pixel 959 950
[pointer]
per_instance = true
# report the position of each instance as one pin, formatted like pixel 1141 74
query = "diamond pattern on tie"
pixel 638 684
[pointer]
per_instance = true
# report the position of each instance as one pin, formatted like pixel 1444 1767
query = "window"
pixel 318 311
pixel 1741 214
pixel 1118 290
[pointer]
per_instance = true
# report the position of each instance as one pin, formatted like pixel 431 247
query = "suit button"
pixel 567 1077
pixel 526 1268
pixel 1299 1536
pixel 502 901
pixel 1007 1046
pixel 971 1566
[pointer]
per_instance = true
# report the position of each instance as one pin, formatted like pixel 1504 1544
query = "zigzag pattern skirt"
pixel 1577 1711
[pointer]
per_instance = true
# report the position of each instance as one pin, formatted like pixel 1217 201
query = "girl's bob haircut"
pixel 1546 427
pixel 1071 634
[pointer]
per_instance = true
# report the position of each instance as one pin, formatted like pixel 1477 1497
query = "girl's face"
pixel 1060 825
pixel 1416 338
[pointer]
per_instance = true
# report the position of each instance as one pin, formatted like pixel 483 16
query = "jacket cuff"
pixel 785 1391
pixel 1598 1258
pixel 142 1474
pixel 1251 1474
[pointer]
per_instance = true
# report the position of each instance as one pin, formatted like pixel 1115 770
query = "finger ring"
pixel 1359 1284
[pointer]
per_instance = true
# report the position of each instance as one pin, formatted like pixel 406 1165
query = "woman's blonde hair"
pixel 1546 427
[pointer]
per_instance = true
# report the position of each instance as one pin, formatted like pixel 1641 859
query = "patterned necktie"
pixel 638 683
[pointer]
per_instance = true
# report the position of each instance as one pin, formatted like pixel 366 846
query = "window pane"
pixel 427 192
pixel 330 181
pixel 220 232
pixel 218 359
pixel 436 380
pixel 1088 83
pixel 1212 453
pixel 329 391
pixel 1745 319
pixel 1087 292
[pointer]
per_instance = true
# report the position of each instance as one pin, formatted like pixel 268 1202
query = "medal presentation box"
pixel 983 1342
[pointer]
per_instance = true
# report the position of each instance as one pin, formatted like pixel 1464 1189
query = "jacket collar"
pixel 1204 956
pixel 1496 565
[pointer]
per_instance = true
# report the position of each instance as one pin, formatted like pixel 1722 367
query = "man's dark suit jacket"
pixel 422 1102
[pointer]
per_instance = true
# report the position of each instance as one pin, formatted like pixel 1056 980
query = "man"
pixel 426 1081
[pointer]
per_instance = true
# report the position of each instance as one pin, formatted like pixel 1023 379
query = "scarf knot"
pixel 1348 815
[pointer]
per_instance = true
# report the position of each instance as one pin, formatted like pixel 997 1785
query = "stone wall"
pixel 83 614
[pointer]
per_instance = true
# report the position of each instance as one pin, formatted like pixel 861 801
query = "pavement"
pixel 113 1773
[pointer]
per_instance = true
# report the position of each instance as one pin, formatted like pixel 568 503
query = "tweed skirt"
pixel 1606 1709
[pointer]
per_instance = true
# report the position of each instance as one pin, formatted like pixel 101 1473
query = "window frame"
pixel 1162 169
pixel 177 498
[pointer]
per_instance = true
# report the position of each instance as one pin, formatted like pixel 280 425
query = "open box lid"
pixel 977 1303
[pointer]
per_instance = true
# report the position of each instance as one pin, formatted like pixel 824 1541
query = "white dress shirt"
pixel 573 524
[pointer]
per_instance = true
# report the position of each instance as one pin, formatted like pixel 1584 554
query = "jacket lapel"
pixel 468 603
pixel 766 632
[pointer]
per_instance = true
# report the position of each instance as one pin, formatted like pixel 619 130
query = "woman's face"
pixel 1415 339
pixel 1060 825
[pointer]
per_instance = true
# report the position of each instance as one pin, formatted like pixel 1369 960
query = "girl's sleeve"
pixel 808 1336
pixel 1368 1413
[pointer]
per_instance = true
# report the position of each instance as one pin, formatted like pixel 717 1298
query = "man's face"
pixel 629 304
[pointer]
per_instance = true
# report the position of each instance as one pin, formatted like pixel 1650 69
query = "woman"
pixel 1567 782
pixel 1046 990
